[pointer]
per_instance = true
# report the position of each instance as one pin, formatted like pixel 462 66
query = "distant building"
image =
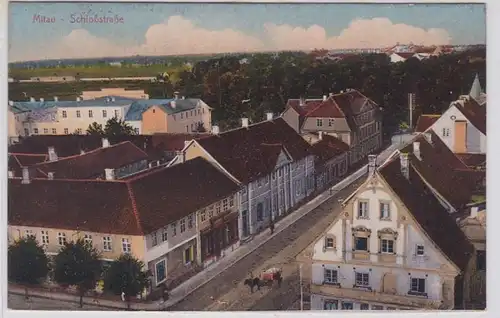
pixel 120 92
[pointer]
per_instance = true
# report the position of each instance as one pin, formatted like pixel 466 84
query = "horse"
pixel 252 282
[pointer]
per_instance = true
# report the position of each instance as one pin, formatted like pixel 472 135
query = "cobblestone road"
pixel 19 302
pixel 227 292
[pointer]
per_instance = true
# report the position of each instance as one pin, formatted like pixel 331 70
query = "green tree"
pixel 95 129
pixel 27 262
pixel 200 127
pixel 126 275
pixel 117 127
pixel 78 264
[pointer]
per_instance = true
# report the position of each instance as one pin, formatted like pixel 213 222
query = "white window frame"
pixel 45 237
pixel 328 240
pixel 61 238
pixel 190 221
pixel 107 244
pixel 446 132
pixel 28 233
pixel 385 210
pixel 54 131
pixel 173 226
pixel 126 245
pixel 363 280
pixel 165 266
pixel 45 131
pixel 164 234
pixel 154 239
pixel 330 276
pixel 182 225
pixel 104 113
pixel 388 248
pixel 231 201
pixel 362 213
pixel 117 113
pixel 91 113
pixel 419 247
pixel 330 122
pixel 225 204
pixel 417 280
pixel 78 114
pixel 87 238
pixel 64 114
pixel 218 207
pixel 66 131
pixel 319 122
pixel 203 215
pixel 35 131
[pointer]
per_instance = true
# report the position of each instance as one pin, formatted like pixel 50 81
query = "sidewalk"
pixel 200 279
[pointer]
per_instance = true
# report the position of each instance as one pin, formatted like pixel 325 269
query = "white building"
pixel 386 249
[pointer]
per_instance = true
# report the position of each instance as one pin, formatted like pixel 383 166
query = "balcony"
pixel 366 295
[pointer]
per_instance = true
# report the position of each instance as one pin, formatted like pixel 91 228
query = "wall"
pixel 291 117
pixel 186 121
pixel 339 125
pixel 140 94
pixel 137 242
pixel 154 120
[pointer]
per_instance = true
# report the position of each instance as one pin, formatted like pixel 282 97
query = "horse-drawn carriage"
pixel 267 277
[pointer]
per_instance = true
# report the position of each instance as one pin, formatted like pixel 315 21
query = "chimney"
pixel 50 175
pixel 10 173
pixel 105 143
pixel 110 174
pixel 269 116
pixel 176 95
pixel 416 149
pixel 32 99
pixel 215 129
pixel 56 99
pixel 82 152
pixel 26 176
pixel 78 99
pixel 244 122
pixel 324 97
pixel 428 136
pixel 113 99
pixel 11 103
pixel 372 164
pixel 42 100
pixel 302 101
pixel 330 94
pixel 52 154
pixel 172 104
pixel 181 157
pixel 320 135
pixel 404 161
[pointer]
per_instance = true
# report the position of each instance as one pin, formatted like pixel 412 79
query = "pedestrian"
pixel 271 227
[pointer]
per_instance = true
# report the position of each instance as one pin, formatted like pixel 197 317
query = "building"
pixel 386 249
pixel 349 116
pixel 272 164
pixel 121 92
pixel 177 115
pixel 152 215
pixel 397 57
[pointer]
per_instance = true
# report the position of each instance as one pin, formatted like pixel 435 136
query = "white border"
pixel 493 74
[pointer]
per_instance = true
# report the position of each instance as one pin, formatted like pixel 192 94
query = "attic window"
pixel 330 241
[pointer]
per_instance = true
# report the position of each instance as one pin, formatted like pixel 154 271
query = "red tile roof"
pixel 472 159
pixel 19 160
pixel 244 152
pixel 429 213
pixel 328 148
pixel 474 112
pixel 424 122
pixel 137 206
pixel 326 109
pixel 92 164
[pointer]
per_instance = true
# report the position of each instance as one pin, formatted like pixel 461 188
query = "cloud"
pixel 178 35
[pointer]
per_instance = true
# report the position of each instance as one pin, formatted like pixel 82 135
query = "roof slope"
pixel 474 112
pixel 424 122
pixel 19 160
pixel 329 147
pixel 429 213
pixel 137 206
pixel 243 151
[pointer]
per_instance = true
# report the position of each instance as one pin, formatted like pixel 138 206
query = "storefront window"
pixel 331 304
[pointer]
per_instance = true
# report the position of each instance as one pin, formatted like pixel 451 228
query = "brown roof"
pixel 19 160
pixel 472 159
pixel 326 109
pixel 137 206
pixel 92 164
pixel 244 152
pixel 429 213
pixel 329 147
pixel 474 112
pixel 439 167
pixel 174 142
pixel 424 122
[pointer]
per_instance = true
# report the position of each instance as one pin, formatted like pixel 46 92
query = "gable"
pixel 283 159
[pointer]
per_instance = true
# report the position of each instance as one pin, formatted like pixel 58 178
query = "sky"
pixel 40 31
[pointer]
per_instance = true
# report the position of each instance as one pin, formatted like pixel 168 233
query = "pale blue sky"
pixel 465 23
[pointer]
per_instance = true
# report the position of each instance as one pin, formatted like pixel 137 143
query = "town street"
pixel 19 302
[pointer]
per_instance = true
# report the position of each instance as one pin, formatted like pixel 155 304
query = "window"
pixel 187 115
pixel 136 130
pixel 417 285
pixel 385 213
pixel 387 246
pixel 330 242
pixel 361 243
pixel 26 132
pixel 66 131
pixel 187 128
pixel 391 308
pixel 164 234
pixel 183 225
pixel 330 276
pixel 28 234
pixel 231 201
pixel 173 226
pixel 297 187
pixel 362 279
pixel 54 131
pixel 330 122
pixel 210 211
pixel 107 244
pixel 319 122
pixel 331 304
pixel 377 307
pixel 217 208
pixel 64 114
pixel 78 115
pixel 117 113
pixel 203 215
pixel 364 306
pixel 160 271
pixel 79 131
pixel 225 204
pixel 126 247
pixel 419 251
pixel 188 255
pixel 362 210
pixel 446 132
pixel 481 260
pixel 280 172
pixel 35 131
pixel 190 221
pixel 260 182
pixel 45 237
pixel 104 113
pixel 45 131
pixel 182 115
pixel 91 114
pixel 154 239
pixel 347 305
pixel 88 239
pixel 273 175
pixel 61 238
pixel 260 212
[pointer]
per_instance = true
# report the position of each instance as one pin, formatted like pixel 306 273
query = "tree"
pixel 27 262
pixel 200 127
pixel 126 275
pixel 95 129
pixel 117 127
pixel 78 264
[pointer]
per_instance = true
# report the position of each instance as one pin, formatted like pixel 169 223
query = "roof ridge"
pixel 27 154
pixel 134 206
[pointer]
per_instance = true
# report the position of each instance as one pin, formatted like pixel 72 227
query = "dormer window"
pixel 330 241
